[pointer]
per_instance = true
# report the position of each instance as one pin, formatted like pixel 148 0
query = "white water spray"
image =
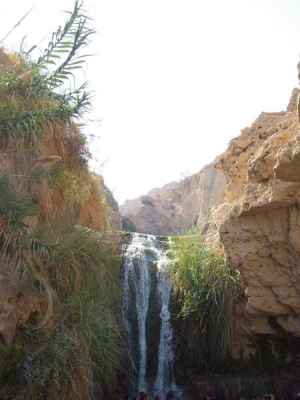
pixel 165 374
pixel 136 271
pixel 140 254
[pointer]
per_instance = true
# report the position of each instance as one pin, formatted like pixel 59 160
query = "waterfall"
pixel 145 258
pixel 165 379
pixel 136 271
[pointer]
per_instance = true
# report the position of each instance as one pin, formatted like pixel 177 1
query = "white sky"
pixel 173 80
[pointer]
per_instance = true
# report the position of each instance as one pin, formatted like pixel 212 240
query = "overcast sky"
pixel 173 80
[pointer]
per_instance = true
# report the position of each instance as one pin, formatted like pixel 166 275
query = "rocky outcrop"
pixel 178 206
pixel 258 225
pixel 114 216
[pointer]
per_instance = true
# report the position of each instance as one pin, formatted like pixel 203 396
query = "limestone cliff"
pixel 258 225
pixel 178 206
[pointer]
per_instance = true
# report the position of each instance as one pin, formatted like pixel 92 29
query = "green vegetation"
pixel 32 93
pixel 61 267
pixel 205 289
pixel 84 343
pixel 12 206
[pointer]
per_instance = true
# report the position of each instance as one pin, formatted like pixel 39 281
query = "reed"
pixel 205 290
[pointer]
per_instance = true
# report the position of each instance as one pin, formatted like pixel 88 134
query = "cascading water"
pixel 136 272
pixel 165 374
pixel 145 257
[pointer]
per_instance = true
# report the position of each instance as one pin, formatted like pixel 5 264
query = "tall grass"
pixel 86 270
pixel 76 341
pixel 205 289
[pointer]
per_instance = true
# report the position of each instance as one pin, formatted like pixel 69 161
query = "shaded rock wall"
pixel 114 216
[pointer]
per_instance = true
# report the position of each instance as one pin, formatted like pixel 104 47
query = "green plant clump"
pixel 85 344
pixel 205 289
pixel 76 341
pixel 12 207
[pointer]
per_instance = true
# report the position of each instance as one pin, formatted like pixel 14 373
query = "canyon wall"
pixel 178 206
pixel 258 225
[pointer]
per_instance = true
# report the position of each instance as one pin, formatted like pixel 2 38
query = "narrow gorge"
pixel 191 291
pixel 245 208
pixel 244 205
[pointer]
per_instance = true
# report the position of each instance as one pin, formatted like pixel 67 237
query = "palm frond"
pixel 64 46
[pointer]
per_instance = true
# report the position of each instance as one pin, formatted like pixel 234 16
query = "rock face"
pixel 113 212
pixel 178 206
pixel 258 225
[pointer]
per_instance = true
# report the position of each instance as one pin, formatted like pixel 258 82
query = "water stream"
pixel 145 279
pixel 165 374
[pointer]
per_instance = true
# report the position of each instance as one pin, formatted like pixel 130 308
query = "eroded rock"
pixel 260 230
